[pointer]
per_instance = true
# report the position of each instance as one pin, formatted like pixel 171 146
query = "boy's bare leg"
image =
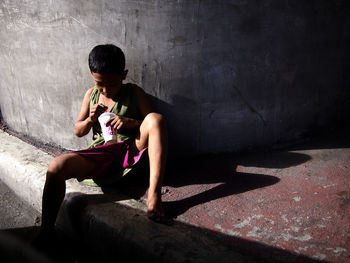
pixel 153 133
pixel 62 168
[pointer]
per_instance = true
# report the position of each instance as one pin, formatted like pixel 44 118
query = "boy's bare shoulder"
pixel 90 90
pixel 87 96
pixel 137 88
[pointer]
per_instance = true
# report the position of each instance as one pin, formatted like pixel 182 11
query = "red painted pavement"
pixel 276 205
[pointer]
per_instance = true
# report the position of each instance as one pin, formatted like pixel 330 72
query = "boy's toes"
pixel 159 217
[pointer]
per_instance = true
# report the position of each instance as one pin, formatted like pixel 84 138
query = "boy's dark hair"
pixel 106 59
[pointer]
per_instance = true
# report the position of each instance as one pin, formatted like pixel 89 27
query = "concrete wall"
pixel 228 74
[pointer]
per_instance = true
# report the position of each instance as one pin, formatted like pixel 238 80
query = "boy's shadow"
pixel 210 169
pixel 235 183
pixel 223 169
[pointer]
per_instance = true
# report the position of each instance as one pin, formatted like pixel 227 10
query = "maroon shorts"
pixel 112 158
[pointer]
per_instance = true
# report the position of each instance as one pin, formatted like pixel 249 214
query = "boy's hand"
pixel 96 111
pixel 119 122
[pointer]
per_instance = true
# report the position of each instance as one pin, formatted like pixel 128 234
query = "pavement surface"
pixel 286 205
pixel 19 222
pixel 290 204
pixel 14 212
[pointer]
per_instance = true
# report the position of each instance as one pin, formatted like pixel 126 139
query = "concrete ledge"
pixel 108 230
pixel 23 168
pixel 108 226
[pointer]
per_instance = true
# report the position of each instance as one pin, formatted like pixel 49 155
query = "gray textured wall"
pixel 227 74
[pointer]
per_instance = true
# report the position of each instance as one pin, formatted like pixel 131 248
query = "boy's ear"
pixel 124 74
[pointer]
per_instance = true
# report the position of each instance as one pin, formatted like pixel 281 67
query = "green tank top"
pixel 126 105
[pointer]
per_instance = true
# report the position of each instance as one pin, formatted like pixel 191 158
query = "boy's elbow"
pixel 78 132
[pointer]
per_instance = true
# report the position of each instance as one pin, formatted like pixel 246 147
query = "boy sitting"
pixel 140 132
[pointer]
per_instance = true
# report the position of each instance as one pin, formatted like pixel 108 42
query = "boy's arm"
pixel 85 121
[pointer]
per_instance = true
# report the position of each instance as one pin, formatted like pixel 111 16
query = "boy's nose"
pixel 104 89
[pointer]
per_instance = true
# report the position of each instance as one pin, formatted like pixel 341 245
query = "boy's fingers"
pixel 117 125
pixel 115 122
pixel 111 121
pixel 160 217
pixel 101 106
pixel 99 112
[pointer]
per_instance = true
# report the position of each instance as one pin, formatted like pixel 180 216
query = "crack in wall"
pixel 251 108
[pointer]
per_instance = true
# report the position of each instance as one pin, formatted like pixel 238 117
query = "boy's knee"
pixel 56 166
pixel 155 120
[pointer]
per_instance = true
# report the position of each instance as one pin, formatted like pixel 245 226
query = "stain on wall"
pixel 229 75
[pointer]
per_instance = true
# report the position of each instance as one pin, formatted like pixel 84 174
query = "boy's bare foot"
pixel 155 209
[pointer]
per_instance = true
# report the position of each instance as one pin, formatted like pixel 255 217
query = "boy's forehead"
pixel 105 76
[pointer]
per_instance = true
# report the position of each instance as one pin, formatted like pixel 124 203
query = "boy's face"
pixel 109 83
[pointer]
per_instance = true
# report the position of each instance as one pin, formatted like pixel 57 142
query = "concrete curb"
pixel 23 168
pixel 108 226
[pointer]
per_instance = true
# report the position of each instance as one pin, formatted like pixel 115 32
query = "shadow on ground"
pixel 222 170
pixel 16 247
